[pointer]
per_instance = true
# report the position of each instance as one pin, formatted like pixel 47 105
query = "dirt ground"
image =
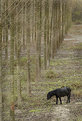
pixel 67 65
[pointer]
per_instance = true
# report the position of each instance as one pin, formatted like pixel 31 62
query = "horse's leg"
pixel 60 100
pixel 56 100
pixel 69 98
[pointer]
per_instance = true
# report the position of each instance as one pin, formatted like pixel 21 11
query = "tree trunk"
pixel 45 39
pixel 12 27
pixel 28 50
pixel 18 59
pixel 1 106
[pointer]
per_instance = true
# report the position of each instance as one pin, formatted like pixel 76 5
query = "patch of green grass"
pixel 35 110
pixel 72 77
pixel 60 62
pixel 79 118
pixel 46 106
pixel 52 63
pixel 56 62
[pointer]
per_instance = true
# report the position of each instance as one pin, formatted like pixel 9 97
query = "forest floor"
pixel 65 70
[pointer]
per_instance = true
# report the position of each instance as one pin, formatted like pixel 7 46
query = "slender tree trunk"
pixel 47 33
pixel 23 26
pixel 57 24
pixel 40 33
pixel 1 106
pixel 63 19
pixel 60 22
pixel 45 39
pixel 12 27
pixel 50 27
pixel 6 32
pixel 18 59
pixel 54 28
pixel 38 38
pixel 28 51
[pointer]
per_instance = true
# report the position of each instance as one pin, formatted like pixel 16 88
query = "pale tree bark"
pixel 50 28
pixel 31 21
pixel 12 30
pixel 1 105
pixel 60 22
pixel 51 31
pixel 6 32
pixel 66 15
pixel 45 39
pixel 57 24
pixel 38 39
pixel 40 34
pixel 34 24
pixel 28 50
pixel 63 19
pixel 18 59
pixel 23 25
pixel 54 28
pixel 47 33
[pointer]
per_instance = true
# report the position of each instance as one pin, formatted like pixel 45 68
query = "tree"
pixel 1 105
pixel 28 49
pixel 18 42
pixel 12 30
pixel 45 39
pixel 63 19
pixel 38 38
pixel 54 28
pixel 6 31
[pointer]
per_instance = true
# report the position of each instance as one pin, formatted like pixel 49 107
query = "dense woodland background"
pixel 31 31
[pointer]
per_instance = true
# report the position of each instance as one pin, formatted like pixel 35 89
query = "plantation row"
pixel 30 33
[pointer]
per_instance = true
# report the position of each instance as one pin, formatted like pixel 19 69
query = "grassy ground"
pixel 65 70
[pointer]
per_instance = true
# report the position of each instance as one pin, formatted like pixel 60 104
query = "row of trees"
pixel 33 29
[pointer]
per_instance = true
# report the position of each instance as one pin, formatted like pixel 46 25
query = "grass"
pixel 36 110
pixel 79 118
